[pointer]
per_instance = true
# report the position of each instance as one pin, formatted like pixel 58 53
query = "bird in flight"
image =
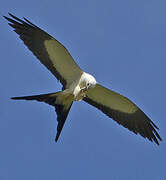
pixel 77 84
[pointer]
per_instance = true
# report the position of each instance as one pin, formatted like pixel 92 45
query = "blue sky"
pixel 123 44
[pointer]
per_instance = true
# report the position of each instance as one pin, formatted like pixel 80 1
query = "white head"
pixel 90 81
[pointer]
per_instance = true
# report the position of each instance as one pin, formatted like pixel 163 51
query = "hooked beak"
pixel 84 89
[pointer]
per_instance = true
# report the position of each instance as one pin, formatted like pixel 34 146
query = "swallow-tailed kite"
pixel 78 85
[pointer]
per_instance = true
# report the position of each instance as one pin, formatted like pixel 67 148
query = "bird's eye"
pixel 88 84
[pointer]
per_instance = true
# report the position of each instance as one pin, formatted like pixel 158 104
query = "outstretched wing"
pixel 48 50
pixel 123 111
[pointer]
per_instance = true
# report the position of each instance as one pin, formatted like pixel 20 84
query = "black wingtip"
pixel 156 142
pixel 6 17
pixel 9 15
pixel 12 16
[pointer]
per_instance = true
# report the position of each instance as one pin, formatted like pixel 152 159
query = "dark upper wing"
pixel 123 111
pixel 48 50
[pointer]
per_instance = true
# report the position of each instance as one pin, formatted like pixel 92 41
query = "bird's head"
pixel 90 81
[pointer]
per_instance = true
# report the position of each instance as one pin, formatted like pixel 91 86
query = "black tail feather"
pixel 62 109
pixel 47 98
pixel 62 113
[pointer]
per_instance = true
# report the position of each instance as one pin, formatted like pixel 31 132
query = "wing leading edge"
pixel 48 50
pixel 123 111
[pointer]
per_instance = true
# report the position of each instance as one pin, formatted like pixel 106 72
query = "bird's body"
pixel 78 85
pixel 80 88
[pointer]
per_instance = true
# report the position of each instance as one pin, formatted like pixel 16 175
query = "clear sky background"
pixel 123 44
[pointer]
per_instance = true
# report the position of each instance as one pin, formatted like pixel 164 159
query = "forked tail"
pixel 60 100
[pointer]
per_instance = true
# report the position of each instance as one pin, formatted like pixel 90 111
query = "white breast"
pixel 77 87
